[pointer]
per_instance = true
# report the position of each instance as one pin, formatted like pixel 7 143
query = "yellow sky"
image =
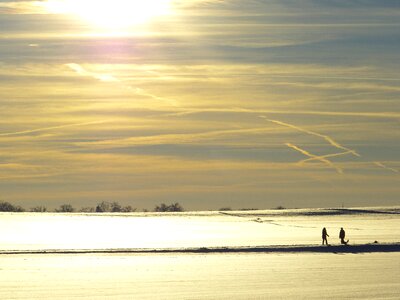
pixel 206 103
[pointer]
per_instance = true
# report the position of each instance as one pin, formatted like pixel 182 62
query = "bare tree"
pixel 65 208
pixel 39 209
pixel 87 209
pixel 116 207
pixel 103 207
pixel 128 209
pixel 6 206
pixel 174 207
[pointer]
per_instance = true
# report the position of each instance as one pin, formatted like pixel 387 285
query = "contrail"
pixel 315 157
pixel 51 128
pixel 142 92
pixel 381 165
pixel 26 176
pixel 325 137
pixel 325 156
pixel 83 72
pixel 289 112
pixel 330 141
pixel 110 78
pixel 180 138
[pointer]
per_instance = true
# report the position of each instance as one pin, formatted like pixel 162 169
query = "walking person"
pixel 324 236
pixel 342 235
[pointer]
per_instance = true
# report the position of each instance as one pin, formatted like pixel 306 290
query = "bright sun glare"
pixel 111 14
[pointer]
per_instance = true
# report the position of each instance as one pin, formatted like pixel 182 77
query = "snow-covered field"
pixel 223 275
pixel 207 276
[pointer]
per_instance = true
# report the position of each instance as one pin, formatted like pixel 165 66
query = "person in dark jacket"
pixel 324 236
pixel 342 235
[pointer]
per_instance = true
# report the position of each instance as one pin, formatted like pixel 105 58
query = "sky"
pixel 209 103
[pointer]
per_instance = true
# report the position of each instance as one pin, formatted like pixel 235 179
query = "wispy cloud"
pixel 180 98
pixel 21 7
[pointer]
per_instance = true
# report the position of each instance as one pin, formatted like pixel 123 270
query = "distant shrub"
pixel 87 209
pixel 225 209
pixel 174 207
pixel 113 207
pixel 39 209
pixel 244 209
pixel 103 207
pixel 116 207
pixel 65 208
pixel 280 207
pixel 161 208
pixel 127 209
pixel 19 209
pixel 6 206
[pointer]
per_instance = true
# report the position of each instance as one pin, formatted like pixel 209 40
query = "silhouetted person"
pixel 342 235
pixel 324 235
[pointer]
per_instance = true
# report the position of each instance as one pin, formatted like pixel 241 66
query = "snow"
pixel 229 229
pixel 297 274
pixel 201 276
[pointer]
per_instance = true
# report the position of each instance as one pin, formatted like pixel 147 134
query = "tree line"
pixel 102 207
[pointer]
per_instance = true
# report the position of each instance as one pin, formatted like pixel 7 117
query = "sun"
pixel 111 14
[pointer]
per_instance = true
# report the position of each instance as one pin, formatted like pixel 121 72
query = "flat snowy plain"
pixel 95 272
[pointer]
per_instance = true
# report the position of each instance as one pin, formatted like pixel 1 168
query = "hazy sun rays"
pixel 116 14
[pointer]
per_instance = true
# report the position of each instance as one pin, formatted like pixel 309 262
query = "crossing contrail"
pixel 325 137
pixel 325 156
pixel 315 157
pixel 331 141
